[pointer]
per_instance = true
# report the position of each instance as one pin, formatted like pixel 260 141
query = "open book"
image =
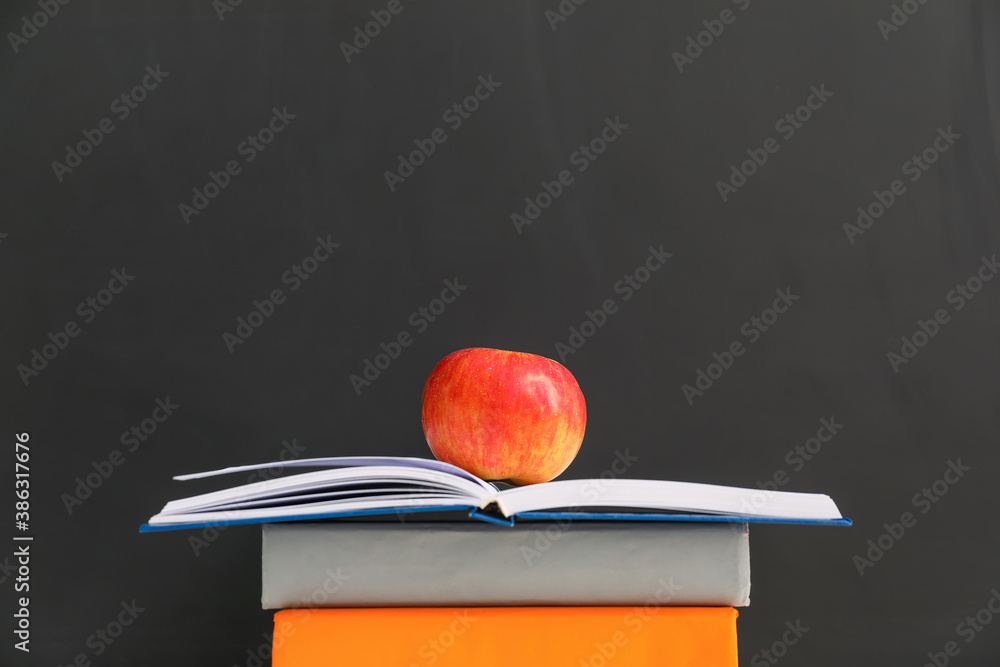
pixel 359 486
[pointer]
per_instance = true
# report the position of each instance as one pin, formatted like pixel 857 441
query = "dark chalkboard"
pixel 217 213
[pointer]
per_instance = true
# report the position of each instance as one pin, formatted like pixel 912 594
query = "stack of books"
pixel 545 593
pixel 366 567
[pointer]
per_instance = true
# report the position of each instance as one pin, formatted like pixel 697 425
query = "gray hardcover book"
pixel 595 563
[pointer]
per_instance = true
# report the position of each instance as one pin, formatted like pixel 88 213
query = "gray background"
pixel 323 176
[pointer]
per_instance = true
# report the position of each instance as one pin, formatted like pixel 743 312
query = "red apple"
pixel 504 415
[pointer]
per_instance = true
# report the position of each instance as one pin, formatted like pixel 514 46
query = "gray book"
pixel 468 563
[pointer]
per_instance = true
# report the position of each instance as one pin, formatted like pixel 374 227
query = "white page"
pixel 664 495
pixel 343 506
pixel 348 461
pixel 365 494
pixel 331 480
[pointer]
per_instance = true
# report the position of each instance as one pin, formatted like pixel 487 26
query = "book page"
pixel 667 496
pixel 365 493
pixel 345 462
pixel 308 511
pixel 333 480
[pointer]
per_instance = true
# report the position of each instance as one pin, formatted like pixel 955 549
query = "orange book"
pixel 503 636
